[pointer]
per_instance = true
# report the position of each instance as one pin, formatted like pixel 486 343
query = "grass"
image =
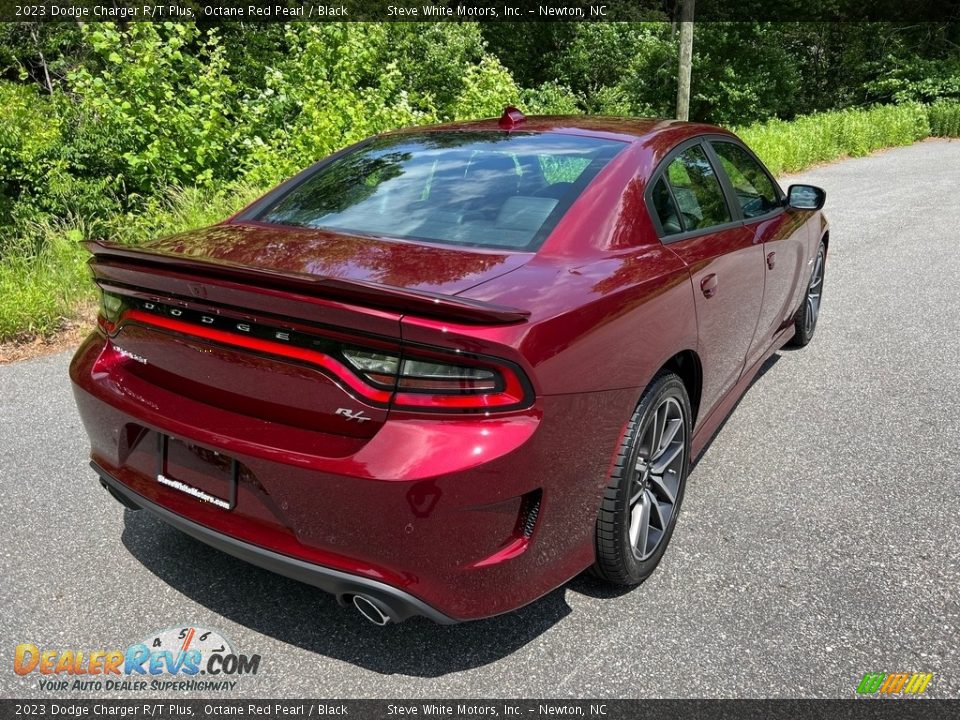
pixel 792 146
pixel 44 282
pixel 945 119
pixel 40 289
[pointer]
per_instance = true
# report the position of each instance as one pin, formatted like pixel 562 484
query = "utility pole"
pixel 686 59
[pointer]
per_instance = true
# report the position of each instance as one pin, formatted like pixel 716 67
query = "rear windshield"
pixel 484 189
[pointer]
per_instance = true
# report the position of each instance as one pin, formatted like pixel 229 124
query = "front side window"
pixel 487 189
pixel 697 190
pixel 754 188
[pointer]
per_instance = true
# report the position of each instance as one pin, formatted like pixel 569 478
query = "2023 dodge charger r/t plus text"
pixel 445 370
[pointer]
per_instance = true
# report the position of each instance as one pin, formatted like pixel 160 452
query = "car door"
pixel 782 232
pixel 696 220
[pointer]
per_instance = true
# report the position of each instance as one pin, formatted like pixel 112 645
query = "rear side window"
pixel 697 190
pixel 487 189
pixel 666 208
pixel 754 188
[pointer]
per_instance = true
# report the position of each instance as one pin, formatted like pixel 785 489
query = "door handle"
pixel 709 285
pixel 771 260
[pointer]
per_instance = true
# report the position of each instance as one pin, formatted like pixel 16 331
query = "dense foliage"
pixel 132 130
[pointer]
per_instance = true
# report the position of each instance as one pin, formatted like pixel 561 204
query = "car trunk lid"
pixel 337 256
pixel 262 338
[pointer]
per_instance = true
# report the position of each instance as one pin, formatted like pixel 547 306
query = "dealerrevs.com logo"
pixel 182 658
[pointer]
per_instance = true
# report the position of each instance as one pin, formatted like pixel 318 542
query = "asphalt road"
pixel 819 539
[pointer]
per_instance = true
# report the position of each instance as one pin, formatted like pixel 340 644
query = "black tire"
pixel 619 559
pixel 805 319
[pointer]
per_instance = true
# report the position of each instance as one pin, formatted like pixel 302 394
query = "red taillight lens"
pixel 430 384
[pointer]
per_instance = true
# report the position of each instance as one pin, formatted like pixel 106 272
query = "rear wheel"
pixel 809 311
pixel 640 505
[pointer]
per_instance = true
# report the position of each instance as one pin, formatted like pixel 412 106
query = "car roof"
pixel 624 129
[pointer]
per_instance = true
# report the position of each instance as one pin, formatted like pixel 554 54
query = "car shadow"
pixel 764 369
pixel 303 616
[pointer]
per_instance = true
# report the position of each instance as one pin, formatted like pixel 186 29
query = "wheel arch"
pixel 687 366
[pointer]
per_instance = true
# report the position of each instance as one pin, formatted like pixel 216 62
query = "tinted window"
pixel 755 191
pixel 461 188
pixel 697 190
pixel 666 208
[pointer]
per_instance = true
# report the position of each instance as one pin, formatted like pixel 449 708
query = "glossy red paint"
pixel 394 489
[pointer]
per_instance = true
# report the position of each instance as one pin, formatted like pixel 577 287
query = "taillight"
pixel 111 306
pixel 430 384
pixel 415 379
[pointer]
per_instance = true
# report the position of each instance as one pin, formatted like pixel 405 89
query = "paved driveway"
pixel 819 538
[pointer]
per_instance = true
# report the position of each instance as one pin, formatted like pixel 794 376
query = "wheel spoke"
pixel 657 429
pixel 818 270
pixel 813 309
pixel 663 427
pixel 640 524
pixel 660 486
pixel 666 458
pixel 673 427
pixel 660 514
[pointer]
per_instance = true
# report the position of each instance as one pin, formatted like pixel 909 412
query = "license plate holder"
pixel 206 475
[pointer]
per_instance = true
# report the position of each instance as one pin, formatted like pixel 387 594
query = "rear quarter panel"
pixel 609 303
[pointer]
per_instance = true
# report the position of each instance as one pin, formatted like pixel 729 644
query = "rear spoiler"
pixel 109 260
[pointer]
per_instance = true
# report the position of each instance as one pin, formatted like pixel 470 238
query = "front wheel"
pixel 640 505
pixel 808 313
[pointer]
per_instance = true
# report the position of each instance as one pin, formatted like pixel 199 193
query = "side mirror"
pixel 806 197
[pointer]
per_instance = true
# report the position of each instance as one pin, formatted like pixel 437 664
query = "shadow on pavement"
pixel 764 369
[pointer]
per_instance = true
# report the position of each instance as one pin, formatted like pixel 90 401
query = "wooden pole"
pixel 43 60
pixel 686 59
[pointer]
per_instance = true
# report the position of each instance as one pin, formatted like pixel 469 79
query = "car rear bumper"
pixel 453 519
pixel 401 605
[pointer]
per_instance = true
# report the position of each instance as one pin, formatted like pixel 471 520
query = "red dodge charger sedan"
pixel 445 370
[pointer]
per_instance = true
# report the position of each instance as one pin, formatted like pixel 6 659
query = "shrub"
pixel 487 88
pixel 332 91
pixel 549 99
pixel 30 137
pixel 157 109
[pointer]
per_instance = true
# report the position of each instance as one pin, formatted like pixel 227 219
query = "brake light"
pixel 397 378
pixel 425 384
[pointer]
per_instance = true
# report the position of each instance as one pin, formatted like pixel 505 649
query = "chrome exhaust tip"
pixel 372 609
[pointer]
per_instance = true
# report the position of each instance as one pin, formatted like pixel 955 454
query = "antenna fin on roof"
pixel 511 117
